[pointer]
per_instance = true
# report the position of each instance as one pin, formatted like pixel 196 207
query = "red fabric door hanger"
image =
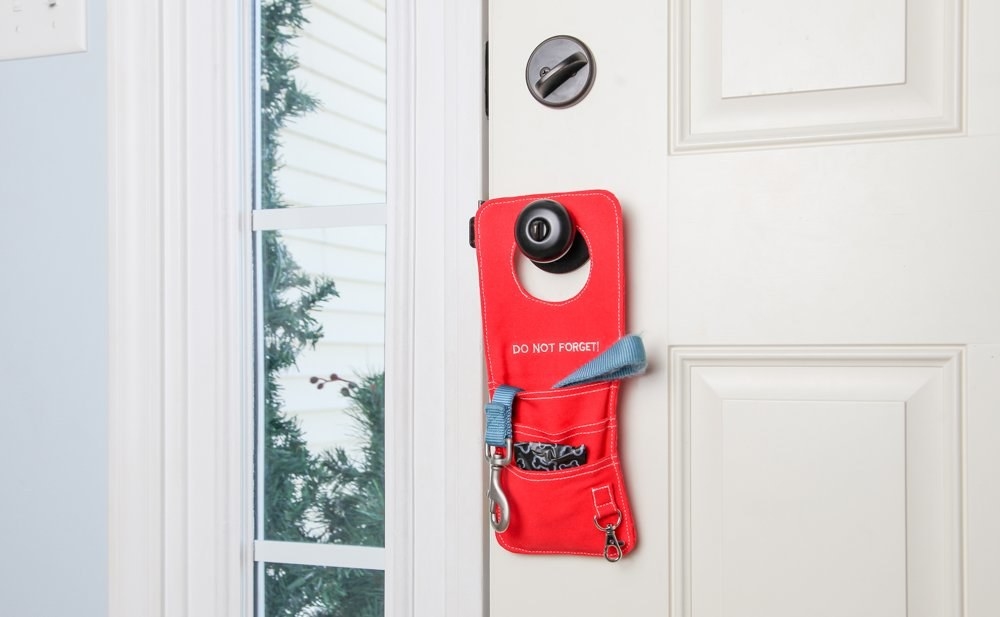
pixel 531 344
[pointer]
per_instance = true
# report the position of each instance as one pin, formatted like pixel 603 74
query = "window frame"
pixel 181 371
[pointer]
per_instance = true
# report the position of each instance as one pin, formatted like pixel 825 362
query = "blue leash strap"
pixel 626 358
pixel 498 415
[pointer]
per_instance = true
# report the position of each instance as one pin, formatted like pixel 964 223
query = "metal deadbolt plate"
pixel 560 71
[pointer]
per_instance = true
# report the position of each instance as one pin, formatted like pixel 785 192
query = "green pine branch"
pixel 308 498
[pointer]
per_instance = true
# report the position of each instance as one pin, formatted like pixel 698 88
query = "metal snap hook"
pixel 613 547
pixel 499 508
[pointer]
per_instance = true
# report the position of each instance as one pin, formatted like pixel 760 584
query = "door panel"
pixel 819 304
pixel 807 472
pixel 753 72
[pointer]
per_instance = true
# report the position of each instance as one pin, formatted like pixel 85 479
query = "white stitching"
pixel 555 476
pixel 549 395
pixel 518 549
pixel 573 430
pixel 621 274
pixel 627 529
pixel 611 499
pixel 527 295
pixel 528 435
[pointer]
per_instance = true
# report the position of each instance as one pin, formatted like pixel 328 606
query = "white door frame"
pixel 180 534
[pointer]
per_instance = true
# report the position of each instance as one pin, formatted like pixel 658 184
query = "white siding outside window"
pixel 336 156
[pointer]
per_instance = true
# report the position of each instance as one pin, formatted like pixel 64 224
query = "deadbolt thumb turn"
pixel 560 71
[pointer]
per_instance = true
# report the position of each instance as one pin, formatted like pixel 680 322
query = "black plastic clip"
pixel 472 227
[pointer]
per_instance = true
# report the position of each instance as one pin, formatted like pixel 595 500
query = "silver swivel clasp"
pixel 613 547
pixel 499 510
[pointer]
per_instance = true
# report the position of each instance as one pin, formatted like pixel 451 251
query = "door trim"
pixel 179 356
pixel 180 540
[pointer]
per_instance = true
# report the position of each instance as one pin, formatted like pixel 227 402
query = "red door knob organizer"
pixel 554 371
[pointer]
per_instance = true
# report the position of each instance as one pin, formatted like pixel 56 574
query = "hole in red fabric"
pixel 547 286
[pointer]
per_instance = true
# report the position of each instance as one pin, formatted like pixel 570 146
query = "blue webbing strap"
pixel 498 415
pixel 626 358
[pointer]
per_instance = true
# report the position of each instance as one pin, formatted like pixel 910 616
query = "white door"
pixel 811 193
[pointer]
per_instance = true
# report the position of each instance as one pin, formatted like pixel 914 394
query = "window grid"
pixel 325 184
pixel 300 553
pixel 354 215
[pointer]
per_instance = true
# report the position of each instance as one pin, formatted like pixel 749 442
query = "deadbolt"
pixel 560 71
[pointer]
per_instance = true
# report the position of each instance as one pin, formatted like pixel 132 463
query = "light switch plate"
pixel 30 28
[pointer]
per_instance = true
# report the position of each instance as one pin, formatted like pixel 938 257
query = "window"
pixel 320 234
pixel 180 434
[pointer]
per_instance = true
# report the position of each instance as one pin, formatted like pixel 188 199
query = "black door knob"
pixel 546 235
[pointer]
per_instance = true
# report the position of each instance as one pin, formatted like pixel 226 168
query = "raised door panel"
pixel 817 482
pixel 763 73
pixel 783 46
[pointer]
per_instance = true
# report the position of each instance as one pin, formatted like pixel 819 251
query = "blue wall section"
pixel 53 332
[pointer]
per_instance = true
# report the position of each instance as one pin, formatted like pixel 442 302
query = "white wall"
pixel 53 348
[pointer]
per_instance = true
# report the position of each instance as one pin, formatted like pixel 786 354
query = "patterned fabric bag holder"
pixel 554 370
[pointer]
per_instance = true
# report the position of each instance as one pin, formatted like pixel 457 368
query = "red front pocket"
pixel 553 512
pixel 594 437
pixel 574 416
